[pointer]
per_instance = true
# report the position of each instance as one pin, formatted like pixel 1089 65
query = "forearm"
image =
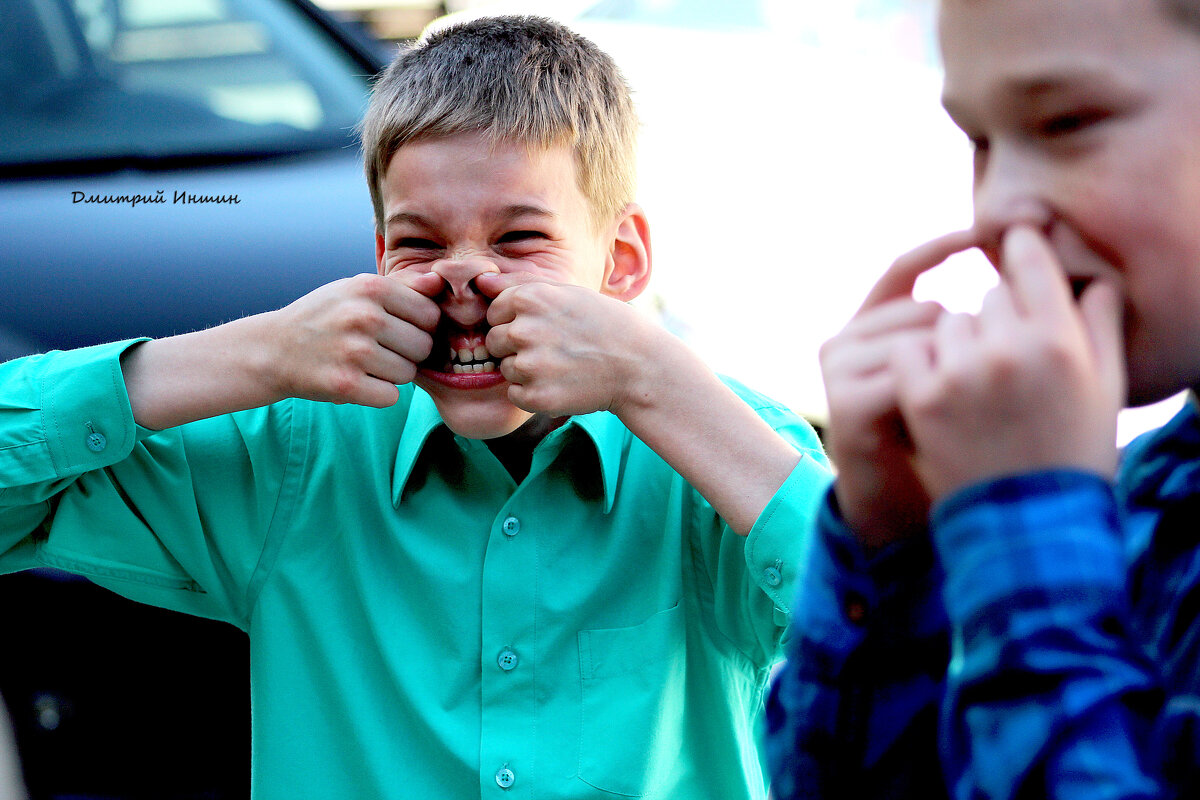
pixel 194 376
pixel 709 435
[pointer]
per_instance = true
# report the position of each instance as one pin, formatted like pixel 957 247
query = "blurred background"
pixel 170 164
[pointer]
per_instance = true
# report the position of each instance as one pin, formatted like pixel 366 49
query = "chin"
pixel 475 413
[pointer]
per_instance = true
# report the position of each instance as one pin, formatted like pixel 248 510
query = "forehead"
pixel 984 41
pixel 468 171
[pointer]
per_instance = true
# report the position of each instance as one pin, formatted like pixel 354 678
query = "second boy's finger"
pixel 1039 283
pixel 900 278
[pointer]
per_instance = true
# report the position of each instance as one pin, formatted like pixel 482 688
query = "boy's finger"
pixel 892 317
pixel 1039 283
pixel 499 343
pixel 413 306
pixel 900 278
pixel 1103 316
pixel 429 284
pixel 491 284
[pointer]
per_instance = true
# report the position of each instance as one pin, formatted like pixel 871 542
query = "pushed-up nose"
pixel 460 273
pixel 461 299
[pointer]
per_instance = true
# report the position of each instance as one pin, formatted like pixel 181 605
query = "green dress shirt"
pixel 420 625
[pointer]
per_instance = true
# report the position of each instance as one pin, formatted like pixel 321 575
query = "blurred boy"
pixel 1047 606
pixel 557 566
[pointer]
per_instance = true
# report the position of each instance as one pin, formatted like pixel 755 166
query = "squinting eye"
pixel 411 243
pixel 519 236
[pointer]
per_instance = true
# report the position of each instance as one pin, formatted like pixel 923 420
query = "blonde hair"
pixel 512 78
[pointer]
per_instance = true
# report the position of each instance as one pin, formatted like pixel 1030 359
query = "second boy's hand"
pixel 878 488
pixel 1033 381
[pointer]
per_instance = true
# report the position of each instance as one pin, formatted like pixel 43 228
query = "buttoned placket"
pixel 509 597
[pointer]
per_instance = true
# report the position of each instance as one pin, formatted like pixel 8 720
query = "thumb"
pixel 1102 314
pixel 491 284
pixel 428 283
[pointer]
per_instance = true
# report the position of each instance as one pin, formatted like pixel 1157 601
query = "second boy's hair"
pixel 523 79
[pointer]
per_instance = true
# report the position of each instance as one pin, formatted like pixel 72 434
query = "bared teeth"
pixel 467 355
pixel 470 369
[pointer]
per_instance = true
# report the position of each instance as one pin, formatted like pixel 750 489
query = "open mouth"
pixel 460 352
pixel 1079 285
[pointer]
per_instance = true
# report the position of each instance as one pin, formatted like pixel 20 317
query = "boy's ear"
pixel 628 269
pixel 379 250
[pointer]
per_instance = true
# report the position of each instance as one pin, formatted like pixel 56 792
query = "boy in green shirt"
pixel 492 533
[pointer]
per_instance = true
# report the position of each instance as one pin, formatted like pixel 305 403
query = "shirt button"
pixel 511 526
pixel 507 659
pixel 505 778
pixel 856 607
pixel 96 442
pixel 772 576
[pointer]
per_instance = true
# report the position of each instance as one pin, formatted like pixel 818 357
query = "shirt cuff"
pixel 1026 535
pixel 88 421
pixel 847 594
pixel 774 544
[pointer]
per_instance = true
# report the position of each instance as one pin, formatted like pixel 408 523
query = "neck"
pixel 515 450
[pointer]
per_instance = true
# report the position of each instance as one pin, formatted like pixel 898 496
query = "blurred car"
pixel 164 166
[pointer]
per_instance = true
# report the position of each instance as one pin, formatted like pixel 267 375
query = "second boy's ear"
pixel 628 269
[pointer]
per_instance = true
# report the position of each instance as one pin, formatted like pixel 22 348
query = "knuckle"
pixel 343 383
pixel 369 286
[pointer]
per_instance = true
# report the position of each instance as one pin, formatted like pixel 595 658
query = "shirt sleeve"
pixel 176 518
pixel 1049 694
pixel 751 579
pixel 853 712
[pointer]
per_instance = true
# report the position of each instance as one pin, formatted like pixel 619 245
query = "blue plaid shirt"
pixel 1044 641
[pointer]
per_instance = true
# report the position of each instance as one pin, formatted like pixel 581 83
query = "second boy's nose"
pixel 1010 189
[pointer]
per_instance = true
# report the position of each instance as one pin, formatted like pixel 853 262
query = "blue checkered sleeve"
pixel 853 712
pixel 1048 693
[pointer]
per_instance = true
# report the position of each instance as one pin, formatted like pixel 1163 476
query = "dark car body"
pixel 164 166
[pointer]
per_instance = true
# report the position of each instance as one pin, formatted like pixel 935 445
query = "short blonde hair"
pixel 512 78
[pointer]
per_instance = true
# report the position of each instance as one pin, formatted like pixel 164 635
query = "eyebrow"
pixel 1040 84
pixel 506 214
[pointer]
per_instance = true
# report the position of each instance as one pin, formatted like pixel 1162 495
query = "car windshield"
pixel 146 80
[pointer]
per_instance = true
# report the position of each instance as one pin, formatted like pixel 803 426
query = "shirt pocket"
pixel 631 711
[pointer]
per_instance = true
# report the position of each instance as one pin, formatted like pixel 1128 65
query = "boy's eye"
pixel 413 243
pixel 1064 124
pixel 520 236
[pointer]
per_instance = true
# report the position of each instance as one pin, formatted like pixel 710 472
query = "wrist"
pixel 643 362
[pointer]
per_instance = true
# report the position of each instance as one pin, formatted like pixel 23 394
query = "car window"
pixel 146 79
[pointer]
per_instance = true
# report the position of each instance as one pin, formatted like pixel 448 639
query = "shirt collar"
pixel 1164 465
pixel 606 433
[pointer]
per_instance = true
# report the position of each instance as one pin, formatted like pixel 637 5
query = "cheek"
pixel 395 264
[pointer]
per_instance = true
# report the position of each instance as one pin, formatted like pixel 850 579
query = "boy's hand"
pixel 1034 381
pixel 565 349
pixel 353 340
pixel 878 489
